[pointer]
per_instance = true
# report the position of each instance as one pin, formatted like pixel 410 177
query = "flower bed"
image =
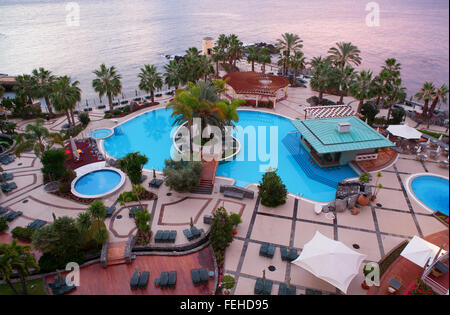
pixel 419 288
pixel 127 110
pixel 264 104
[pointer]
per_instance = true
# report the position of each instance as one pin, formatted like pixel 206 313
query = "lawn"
pixel 35 287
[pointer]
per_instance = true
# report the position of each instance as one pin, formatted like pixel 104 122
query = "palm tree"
pixel 264 58
pixel 290 43
pixel 297 62
pixel 344 54
pixel 38 138
pixel 107 83
pixel 151 80
pixel 217 56
pixel 325 78
pixel 440 95
pixel 235 49
pixel 253 55
pixel 362 87
pixel 16 258
pixel 316 62
pixel 25 88
pixel 172 74
pixel 392 67
pixel 426 93
pixel 65 96
pixel 394 93
pixel 44 83
pixel 346 77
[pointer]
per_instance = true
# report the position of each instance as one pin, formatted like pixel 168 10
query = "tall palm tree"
pixel 440 95
pixel 346 77
pixel 264 58
pixel 217 56
pixel 290 43
pixel 394 93
pixel 235 49
pixel 16 258
pixel 325 78
pixel 107 83
pixel 253 55
pixel 65 96
pixel 362 87
pixel 297 62
pixel 344 54
pixel 172 74
pixel 392 67
pixel 426 93
pixel 316 62
pixel 151 80
pixel 25 88
pixel 44 83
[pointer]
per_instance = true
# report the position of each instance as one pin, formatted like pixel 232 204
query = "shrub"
pixel 397 114
pixel 228 282
pixel 23 233
pixel 3 225
pixel 53 163
pixel 235 218
pixel 97 209
pixel 132 164
pixel 49 263
pixel 221 234
pixel 271 190
pixel 107 116
pixel 84 118
pixel 182 176
pixel 66 181
pixel 369 111
pixel 364 178
pixel 380 120
pixel 117 112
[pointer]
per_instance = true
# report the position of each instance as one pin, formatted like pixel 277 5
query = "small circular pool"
pixel 101 133
pixel 431 191
pixel 97 184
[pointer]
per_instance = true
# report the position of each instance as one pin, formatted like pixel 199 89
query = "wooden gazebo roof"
pixel 256 83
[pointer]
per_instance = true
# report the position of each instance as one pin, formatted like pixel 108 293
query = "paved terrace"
pixel 377 229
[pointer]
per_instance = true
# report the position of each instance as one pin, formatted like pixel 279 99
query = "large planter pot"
pixel 355 211
pixel 364 285
pixel 363 200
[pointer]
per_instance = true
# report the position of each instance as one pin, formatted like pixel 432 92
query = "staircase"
pixel 207 179
pixel 116 253
pixel 307 163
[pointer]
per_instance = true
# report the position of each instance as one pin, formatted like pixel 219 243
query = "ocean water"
pixel 129 34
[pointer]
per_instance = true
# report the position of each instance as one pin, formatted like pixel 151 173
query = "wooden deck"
pixel 385 158
pixel 95 280
pixel 406 271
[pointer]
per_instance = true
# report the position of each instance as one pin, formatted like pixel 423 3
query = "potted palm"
pixel 363 200
pixel 228 283
pixel 377 187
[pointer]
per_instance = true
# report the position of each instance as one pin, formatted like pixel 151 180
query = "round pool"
pixel 101 133
pixel 432 191
pixel 97 183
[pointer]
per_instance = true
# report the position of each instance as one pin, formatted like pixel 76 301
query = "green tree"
pixel 362 87
pixel 217 56
pixel 44 85
pixel 53 163
pixel 221 233
pixel 289 43
pixel 182 176
pixel 25 88
pixel 16 258
pixel 426 93
pixel 297 62
pixel 172 74
pixel 132 164
pixel 264 58
pixel 97 210
pixel 65 96
pixel 440 95
pixel 107 83
pixel 394 92
pixel 346 77
pixel 369 111
pixel 150 80
pixel 253 55
pixel 142 220
pixel 272 190
pixel 344 54
pixel 324 79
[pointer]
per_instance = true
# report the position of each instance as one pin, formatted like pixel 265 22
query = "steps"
pixel 116 253
pixel 208 176
pixel 306 162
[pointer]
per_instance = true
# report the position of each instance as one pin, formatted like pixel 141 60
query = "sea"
pixel 74 37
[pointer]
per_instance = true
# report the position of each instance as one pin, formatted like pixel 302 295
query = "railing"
pixel 366 157
pixel 434 285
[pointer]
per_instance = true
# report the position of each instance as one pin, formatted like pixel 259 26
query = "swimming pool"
pixel 97 183
pixel 432 191
pixel 101 133
pixel 150 134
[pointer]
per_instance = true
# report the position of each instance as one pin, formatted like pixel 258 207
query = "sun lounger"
pixel 288 255
pixel 143 280
pixel 233 194
pixel 143 178
pixel 134 281
pixel 172 282
pixel 284 290
pixel 6 176
pixel 267 250
pixel 165 236
pixel 37 224
pixel 3 210
pixel 195 275
pixel 155 183
pixel 188 234
pixel 164 279
pixel 6 159
pixel 264 288
pixel 110 211
pixel 158 236
pixel 12 215
pixel 7 187
pixel 312 292
pixel 203 275
pixel 172 236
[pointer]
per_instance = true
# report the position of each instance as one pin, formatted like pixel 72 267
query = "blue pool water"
pixel 149 134
pixel 97 182
pixel 100 133
pixel 432 191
